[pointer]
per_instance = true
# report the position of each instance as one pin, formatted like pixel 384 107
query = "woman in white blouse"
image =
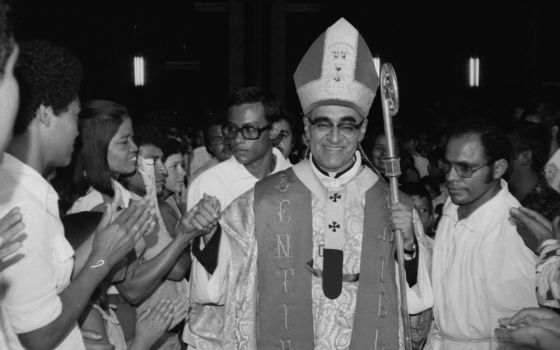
pixel 107 153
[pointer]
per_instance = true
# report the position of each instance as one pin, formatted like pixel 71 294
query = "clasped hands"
pixel 202 219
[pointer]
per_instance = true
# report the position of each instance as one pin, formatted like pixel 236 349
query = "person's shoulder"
pixel 222 170
pixel 13 193
pixel 219 168
pixel 209 164
pixel 281 162
pixel 89 201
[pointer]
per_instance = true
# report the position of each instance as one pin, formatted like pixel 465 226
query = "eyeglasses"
pixel 463 170
pixel 249 132
pixel 346 128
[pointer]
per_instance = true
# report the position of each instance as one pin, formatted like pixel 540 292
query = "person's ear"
pixel 274 130
pixel 306 129
pixel 500 168
pixel 554 132
pixel 363 129
pixel 45 115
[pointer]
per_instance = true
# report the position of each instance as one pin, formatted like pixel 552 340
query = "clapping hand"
pixel 114 240
pixel 152 324
pixel 533 328
pixel 11 228
pixel 180 310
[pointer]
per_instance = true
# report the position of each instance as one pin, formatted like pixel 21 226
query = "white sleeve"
pixel 31 299
pixel 548 274
pixel 420 297
pixel 206 288
pixel 508 267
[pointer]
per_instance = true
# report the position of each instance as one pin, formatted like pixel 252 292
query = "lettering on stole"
pixel 283 246
pixel 285 274
pixel 283 250
pixel 283 183
pixel 284 213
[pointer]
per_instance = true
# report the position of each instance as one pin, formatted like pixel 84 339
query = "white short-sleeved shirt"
pixel 94 198
pixel 32 284
pixel 481 271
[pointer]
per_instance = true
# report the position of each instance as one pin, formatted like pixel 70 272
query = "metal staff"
pixel 390 103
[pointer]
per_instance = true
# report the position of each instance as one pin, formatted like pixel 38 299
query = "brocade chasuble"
pixel 272 298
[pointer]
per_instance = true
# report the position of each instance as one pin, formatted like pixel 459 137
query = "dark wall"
pixel 428 42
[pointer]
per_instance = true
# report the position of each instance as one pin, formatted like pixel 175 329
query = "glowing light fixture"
pixel 474 72
pixel 139 71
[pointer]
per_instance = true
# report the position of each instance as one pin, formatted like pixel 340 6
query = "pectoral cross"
pixel 334 226
pixel 334 197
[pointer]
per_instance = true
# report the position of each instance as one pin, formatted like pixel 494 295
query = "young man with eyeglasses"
pixel 311 261
pixel 250 128
pixel 481 269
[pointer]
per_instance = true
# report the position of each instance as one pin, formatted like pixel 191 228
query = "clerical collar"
pixel 332 174
pixel 334 181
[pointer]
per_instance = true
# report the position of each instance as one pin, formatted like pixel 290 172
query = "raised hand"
pixel 180 309
pixel 535 225
pixel 114 240
pixel 11 228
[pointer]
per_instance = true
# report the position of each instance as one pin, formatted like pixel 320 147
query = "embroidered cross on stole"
pixel 283 225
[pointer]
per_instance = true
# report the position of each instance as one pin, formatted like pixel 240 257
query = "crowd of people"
pixel 264 230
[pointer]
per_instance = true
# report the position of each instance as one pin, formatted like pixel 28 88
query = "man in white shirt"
pixel 481 269
pixel 40 305
pixel 251 127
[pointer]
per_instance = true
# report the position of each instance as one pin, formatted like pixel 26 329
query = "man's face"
pixel 9 101
pixel 467 150
pixel 285 140
pixel 64 133
pixel 218 146
pixel 135 182
pixel 155 153
pixel 334 150
pixel 247 152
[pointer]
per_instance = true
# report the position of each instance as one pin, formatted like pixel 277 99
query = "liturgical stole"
pixel 283 225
